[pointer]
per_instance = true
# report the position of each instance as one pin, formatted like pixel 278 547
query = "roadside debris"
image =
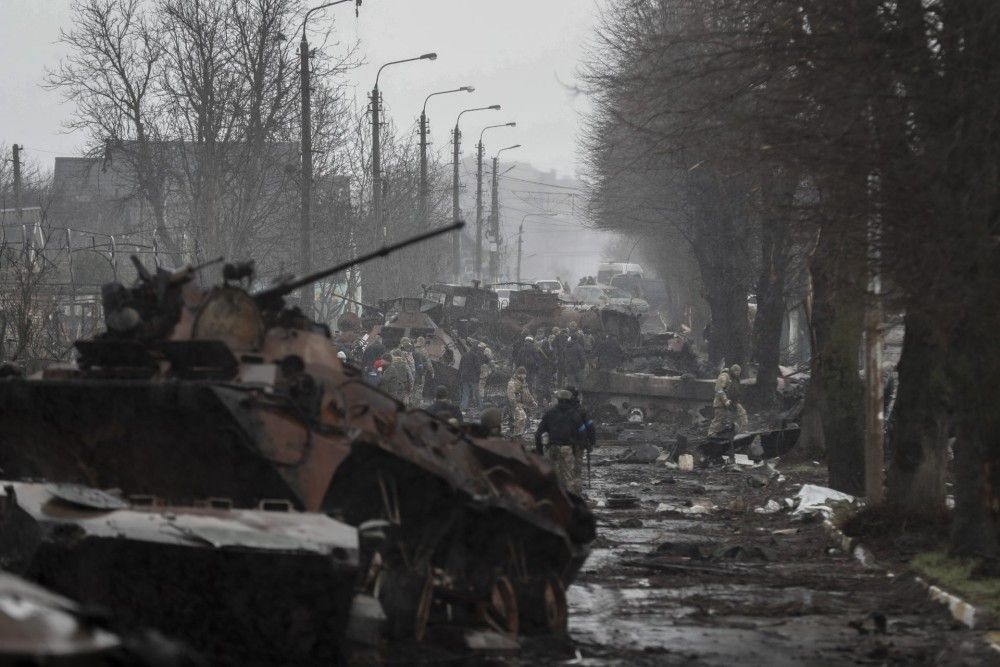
pixel 814 499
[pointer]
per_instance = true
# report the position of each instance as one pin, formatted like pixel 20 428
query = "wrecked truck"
pixel 194 393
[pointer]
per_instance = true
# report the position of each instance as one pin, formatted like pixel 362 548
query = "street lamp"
pixel 456 246
pixel 305 237
pixel 479 196
pixel 424 188
pixel 376 139
pixel 495 215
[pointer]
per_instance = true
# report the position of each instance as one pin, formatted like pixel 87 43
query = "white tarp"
pixel 814 498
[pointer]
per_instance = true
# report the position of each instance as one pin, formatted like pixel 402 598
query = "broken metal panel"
pixel 98 515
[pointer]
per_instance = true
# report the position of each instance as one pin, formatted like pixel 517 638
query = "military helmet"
pixel 735 370
pixel 564 395
pixel 521 371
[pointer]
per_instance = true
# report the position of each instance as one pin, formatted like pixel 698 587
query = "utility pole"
pixel 306 297
pixel 17 182
pixel 424 187
pixel 494 224
pixel 520 243
pixel 377 163
pixel 495 216
pixel 456 248
pixel 376 99
pixel 456 239
pixel 479 197
pixel 479 209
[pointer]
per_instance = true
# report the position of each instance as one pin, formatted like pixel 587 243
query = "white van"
pixel 608 270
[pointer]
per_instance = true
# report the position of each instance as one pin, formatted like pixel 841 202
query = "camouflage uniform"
pixel 486 369
pixel 405 353
pixel 566 428
pixel 518 396
pixel 569 467
pixel 424 370
pixel 396 379
pixel 726 406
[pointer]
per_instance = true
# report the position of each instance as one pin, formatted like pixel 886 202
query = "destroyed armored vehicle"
pixel 466 310
pixel 413 318
pixel 195 393
pixel 155 565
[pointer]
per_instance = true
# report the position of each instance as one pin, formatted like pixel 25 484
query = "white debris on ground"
pixel 813 499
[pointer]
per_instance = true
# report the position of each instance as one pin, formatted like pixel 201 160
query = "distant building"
pixel 257 206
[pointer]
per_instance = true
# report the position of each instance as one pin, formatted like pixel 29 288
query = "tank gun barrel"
pixel 279 291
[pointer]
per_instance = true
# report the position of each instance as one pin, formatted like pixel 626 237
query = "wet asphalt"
pixel 787 598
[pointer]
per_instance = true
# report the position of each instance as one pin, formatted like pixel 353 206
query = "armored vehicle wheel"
pixel 406 599
pixel 499 611
pixel 542 602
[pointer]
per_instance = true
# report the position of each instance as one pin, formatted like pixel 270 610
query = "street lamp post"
pixel 456 246
pixel 377 141
pixel 424 186
pixel 479 197
pixel 495 216
pixel 305 187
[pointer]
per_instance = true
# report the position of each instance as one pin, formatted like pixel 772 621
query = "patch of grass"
pixel 955 576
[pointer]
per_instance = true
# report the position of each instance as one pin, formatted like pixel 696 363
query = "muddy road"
pixel 720 584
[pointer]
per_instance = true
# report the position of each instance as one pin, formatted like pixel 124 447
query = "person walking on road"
pixel 423 371
pixel 518 397
pixel 565 431
pixel 396 378
pixel 468 378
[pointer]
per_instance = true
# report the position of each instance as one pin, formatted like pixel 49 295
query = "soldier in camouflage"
pixel 519 397
pixel 565 430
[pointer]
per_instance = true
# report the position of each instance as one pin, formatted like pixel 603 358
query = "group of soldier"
pixel 563 356
pixel 402 372
pixel 557 359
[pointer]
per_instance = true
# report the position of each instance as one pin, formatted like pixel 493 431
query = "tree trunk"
pixel 916 476
pixel 723 278
pixel 974 364
pixel 837 321
pixel 775 246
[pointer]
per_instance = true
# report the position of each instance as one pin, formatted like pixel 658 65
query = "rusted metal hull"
pixel 178 440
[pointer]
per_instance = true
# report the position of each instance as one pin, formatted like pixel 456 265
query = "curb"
pixel 962 611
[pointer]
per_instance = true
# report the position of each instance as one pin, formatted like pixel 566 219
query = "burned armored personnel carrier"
pixel 196 393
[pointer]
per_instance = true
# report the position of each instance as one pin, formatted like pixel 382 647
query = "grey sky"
pixel 522 54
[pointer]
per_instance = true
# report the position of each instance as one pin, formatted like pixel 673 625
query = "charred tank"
pixel 195 393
